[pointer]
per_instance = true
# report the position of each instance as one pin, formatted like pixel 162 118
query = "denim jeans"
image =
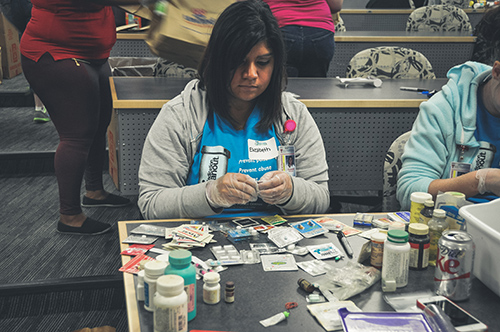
pixel 309 50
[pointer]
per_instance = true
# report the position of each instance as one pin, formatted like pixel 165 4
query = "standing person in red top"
pixel 308 30
pixel 64 50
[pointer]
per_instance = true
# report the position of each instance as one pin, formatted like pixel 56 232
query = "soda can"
pixel 484 157
pixel 214 162
pixel 455 260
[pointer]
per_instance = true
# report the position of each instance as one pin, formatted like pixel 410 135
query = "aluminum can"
pixel 455 260
pixel 484 157
pixel 214 160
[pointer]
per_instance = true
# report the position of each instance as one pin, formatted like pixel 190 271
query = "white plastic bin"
pixel 483 223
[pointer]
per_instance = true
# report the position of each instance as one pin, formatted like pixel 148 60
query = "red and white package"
pixel 137 249
pixel 132 266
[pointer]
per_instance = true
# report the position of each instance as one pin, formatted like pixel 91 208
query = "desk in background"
pixel 443 50
pixel 259 294
pixel 389 19
pixel 357 124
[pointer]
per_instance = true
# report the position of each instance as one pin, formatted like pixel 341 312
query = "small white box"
pixel 483 223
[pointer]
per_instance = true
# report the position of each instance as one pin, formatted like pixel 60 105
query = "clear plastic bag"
pixel 349 280
pixel 406 301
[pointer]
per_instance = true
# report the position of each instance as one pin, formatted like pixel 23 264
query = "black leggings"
pixel 77 96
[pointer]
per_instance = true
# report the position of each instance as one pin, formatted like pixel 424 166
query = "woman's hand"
pixel 275 187
pixel 489 180
pixel 231 189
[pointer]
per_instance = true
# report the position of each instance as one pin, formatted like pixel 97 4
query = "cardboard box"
pixel 113 149
pixel 9 42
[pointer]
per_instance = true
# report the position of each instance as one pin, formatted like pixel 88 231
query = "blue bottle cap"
pixel 180 257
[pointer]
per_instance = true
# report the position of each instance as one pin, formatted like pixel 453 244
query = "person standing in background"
pixel 308 30
pixel 64 54
pixel 18 12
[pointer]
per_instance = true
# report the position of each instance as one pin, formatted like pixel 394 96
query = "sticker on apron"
pixel 262 150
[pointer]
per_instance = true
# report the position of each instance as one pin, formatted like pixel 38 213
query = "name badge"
pixel 459 168
pixel 286 161
pixel 262 150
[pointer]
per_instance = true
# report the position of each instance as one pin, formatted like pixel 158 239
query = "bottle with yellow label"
pixel 426 213
pixel 437 225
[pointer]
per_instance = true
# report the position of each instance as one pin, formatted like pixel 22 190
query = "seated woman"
pixel 215 148
pixel 454 141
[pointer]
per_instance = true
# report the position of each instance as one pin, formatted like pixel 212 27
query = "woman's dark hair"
pixel 238 29
pixel 487 46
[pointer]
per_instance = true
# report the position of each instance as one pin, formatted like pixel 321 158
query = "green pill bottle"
pixel 180 264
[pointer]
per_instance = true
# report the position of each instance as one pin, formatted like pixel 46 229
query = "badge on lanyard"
pixel 286 160
pixel 459 168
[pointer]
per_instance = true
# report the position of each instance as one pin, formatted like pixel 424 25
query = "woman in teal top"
pixel 215 148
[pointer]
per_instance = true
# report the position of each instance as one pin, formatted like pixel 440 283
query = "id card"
pixel 286 159
pixel 458 168
pixel 309 228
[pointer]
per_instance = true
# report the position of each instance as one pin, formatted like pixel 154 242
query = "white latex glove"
pixel 275 187
pixel 489 180
pixel 230 189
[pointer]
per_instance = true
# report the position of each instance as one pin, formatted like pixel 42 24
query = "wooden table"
pixel 259 294
pixel 443 50
pixel 357 124
pixel 362 19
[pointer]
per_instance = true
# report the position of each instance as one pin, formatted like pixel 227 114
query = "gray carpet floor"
pixel 33 250
pixel 50 281
pixel 20 134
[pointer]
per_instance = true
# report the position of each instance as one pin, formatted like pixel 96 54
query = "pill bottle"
pixel 397 225
pixel 229 292
pixel 417 204
pixel 140 286
pixel 426 212
pixel 396 258
pixel 437 225
pixel 211 288
pixel 306 285
pixel 377 249
pixel 170 304
pixel 142 264
pixel 180 264
pixel 153 270
pixel 162 258
pixel 419 246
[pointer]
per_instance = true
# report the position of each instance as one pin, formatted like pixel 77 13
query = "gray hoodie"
pixel 172 142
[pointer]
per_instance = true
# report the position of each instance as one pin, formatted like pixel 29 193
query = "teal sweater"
pixel 444 122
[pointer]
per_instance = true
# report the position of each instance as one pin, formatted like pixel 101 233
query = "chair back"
pixel 390 62
pixel 339 24
pixel 167 68
pixel 392 165
pixel 438 18
pixel 456 3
